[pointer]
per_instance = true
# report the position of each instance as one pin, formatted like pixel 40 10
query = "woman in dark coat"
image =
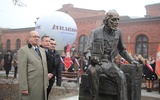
pixel 7 62
pixel 148 76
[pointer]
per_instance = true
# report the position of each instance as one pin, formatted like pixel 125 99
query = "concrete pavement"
pixel 71 98
pixel 11 73
pixel 154 95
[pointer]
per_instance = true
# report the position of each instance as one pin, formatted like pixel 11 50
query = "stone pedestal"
pixel 108 88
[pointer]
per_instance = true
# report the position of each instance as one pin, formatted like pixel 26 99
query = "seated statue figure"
pixel 105 42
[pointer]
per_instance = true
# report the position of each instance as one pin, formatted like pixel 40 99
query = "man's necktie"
pixel 46 51
pixel 38 52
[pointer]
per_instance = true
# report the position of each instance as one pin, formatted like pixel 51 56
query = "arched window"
pixel 18 44
pixel 142 45
pixel 82 43
pixel 8 44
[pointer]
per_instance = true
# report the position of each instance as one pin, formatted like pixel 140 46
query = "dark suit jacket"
pixel 53 64
pixel 50 62
pixel 57 65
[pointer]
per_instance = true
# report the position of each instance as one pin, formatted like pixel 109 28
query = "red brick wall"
pixel 147 28
pixel 13 35
pixel 153 10
pixel 85 26
pixel 80 12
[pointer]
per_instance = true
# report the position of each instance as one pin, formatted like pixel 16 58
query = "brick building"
pixel 143 34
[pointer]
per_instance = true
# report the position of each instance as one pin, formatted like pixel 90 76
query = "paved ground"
pixel 71 98
pixel 11 73
pixel 150 94
pixel 154 95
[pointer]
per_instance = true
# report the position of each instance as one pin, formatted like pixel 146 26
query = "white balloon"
pixel 59 26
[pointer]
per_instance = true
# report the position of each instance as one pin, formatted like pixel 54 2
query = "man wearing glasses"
pixel 33 73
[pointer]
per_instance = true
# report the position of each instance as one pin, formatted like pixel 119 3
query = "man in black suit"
pixel 45 43
pixel 57 62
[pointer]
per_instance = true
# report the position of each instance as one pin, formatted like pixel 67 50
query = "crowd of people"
pixel 7 60
pixel 148 70
pixel 38 60
pixel 40 66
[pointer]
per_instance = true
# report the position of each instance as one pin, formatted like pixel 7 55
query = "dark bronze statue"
pixel 104 44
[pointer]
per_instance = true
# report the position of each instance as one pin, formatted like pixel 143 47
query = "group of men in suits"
pixel 38 66
pixel 53 59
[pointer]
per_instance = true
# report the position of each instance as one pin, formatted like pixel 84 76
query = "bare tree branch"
pixel 19 3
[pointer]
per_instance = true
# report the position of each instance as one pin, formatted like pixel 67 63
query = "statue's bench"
pixel 108 89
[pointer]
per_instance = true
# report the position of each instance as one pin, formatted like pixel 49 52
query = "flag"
pixel 129 51
pixel 123 61
pixel 129 48
pixel 77 62
pixel 63 61
pixel 157 69
pixel 67 59
pixel 149 67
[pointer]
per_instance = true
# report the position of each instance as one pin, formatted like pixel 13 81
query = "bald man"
pixel 32 65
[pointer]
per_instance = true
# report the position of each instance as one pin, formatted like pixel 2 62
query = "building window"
pixel 18 44
pixel 82 43
pixel 142 46
pixel 8 44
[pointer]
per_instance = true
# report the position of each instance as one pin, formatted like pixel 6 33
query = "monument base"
pixel 108 89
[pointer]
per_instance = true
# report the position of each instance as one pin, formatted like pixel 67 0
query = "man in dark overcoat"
pixel 57 62
pixel 7 62
pixel 45 43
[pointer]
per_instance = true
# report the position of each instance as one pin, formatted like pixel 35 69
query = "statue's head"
pixel 111 19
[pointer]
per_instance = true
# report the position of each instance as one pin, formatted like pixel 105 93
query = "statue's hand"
pixel 137 64
pixel 94 60
pixel 87 55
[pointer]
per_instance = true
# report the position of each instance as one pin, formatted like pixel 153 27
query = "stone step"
pixel 149 98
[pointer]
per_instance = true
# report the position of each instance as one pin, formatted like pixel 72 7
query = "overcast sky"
pixel 12 16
